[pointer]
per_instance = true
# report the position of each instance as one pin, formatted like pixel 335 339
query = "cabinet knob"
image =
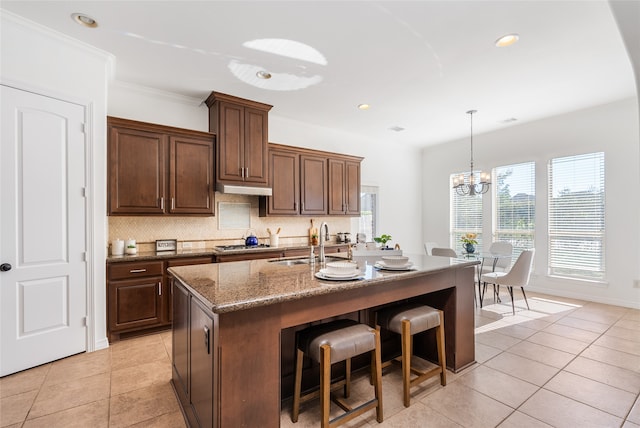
pixel 5 267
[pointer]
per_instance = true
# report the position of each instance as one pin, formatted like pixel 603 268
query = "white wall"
pixel 396 170
pixel 43 61
pixel 611 128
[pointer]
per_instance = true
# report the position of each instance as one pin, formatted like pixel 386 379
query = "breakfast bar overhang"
pixel 229 319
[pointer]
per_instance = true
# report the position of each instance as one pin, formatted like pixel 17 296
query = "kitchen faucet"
pixel 324 236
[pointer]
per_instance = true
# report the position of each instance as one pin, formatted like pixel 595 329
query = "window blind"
pixel 515 205
pixel 577 216
pixel 466 217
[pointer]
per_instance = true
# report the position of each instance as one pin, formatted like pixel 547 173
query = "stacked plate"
pixel 339 271
pixel 394 263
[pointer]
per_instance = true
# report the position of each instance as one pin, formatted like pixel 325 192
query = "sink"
pixel 290 262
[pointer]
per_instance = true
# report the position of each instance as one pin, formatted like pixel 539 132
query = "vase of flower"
pixel 469 242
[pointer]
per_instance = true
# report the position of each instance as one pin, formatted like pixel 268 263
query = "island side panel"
pixel 249 370
pixel 465 348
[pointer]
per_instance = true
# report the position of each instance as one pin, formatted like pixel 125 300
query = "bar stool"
pixel 330 343
pixel 408 320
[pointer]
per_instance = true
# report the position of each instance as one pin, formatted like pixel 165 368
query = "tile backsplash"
pixel 204 232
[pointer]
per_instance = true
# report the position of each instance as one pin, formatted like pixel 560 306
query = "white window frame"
pixel 576 228
pixel 521 237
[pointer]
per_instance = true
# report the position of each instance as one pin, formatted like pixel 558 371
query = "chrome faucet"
pixel 324 236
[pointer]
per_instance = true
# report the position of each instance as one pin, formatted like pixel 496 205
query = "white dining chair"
pixel 428 246
pixel 443 252
pixel 518 276
pixel 502 264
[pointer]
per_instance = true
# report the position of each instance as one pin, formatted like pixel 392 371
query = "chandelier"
pixel 478 182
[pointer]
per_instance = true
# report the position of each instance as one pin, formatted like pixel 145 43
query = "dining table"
pixel 485 256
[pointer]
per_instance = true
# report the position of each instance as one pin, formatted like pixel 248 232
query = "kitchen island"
pixel 234 323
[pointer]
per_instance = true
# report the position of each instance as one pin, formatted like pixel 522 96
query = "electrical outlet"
pixel 187 245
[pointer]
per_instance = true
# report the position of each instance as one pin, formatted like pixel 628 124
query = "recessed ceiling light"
pixel 396 128
pixel 363 106
pixel 509 120
pixel 507 40
pixel 84 20
pixel 262 74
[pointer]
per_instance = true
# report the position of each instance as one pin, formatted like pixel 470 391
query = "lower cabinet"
pixel 139 295
pixel 193 358
pixel 135 296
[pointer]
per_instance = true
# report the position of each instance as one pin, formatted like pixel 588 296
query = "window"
pixel 368 211
pixel 514 205
pixel 576 216
pixel 466 217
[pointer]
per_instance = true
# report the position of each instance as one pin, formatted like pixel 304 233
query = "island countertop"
pixel 227 287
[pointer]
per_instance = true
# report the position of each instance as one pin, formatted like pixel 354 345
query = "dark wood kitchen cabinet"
pixel 311 182
pixel 241 127
pixel 344 187
pixel 193 358
pixel 139 295
pixel 136 297
pixel 155 169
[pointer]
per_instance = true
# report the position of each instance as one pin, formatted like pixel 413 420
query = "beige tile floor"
pixel 564 363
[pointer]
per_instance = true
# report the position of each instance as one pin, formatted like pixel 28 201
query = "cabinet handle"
pixel 247 173
pixel 159 289
pixel 173 203
pixel 242 172
pixel 137 270
pixel 206 339
pixel 295 206
pixel 162 203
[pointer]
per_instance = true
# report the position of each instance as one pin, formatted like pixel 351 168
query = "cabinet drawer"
pixel 134 270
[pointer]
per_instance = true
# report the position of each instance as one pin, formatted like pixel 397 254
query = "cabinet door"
pixel 337 180
pixel 313 185
pixel 230 139
pixel 180 336
pixel 191 176
pixel 137 171
pixel 135 303
pixel 284 169
pixel 352 188
pixel 255 146
pixel 201 375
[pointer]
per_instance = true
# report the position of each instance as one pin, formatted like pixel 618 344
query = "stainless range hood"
pixel 243 190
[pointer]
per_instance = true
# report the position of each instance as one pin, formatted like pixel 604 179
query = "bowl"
pixel 341 268
pixel 395 260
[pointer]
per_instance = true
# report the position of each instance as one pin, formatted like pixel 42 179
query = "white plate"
pixel 383 265
pixel 326 272
pixel 320 275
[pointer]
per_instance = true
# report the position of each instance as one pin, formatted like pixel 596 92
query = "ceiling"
pixel 419 64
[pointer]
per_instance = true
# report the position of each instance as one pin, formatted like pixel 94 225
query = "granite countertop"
pixel 232 286
pixel 152 255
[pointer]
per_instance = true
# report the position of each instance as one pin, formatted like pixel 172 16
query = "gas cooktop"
pixel 241 247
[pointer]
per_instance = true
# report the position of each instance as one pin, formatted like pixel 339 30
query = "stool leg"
pixel 406 361
pixel 442 359
pixel 347 378
pixel 377 356
pixel 325 384
pixel 297 386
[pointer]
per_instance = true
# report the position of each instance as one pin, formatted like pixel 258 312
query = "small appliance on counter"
pixel 343 237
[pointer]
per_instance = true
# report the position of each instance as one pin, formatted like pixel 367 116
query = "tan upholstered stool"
pixel 407 321
pixel 330 343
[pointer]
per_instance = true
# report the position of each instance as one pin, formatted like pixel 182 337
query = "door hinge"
pixel 83 128
pixel 84 192
pixel 84 257
pixel 84 321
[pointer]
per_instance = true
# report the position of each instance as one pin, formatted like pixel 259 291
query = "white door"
pixel 42 230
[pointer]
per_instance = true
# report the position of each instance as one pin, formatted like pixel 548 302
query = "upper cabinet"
pixel 311 182
pixel 344 185
pixel 241 127
pixel 156 169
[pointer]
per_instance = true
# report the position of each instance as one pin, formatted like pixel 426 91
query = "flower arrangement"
pixel 469 238
pixel 382 239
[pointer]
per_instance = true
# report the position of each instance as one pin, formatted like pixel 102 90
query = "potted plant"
pixel 314 239
pixel 469 242
pixel 383 239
